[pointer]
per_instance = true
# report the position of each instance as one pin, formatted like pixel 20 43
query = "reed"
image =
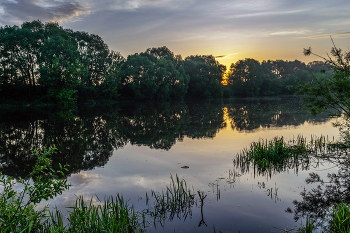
pixel 309 226
pixel 340 218
pixel 176 200
pixel 277 154
pixel 112 215
pixel 266 156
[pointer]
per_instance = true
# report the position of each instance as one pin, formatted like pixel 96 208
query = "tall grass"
pixel 112 215
pixel 267 156
pixel 176 200
pixel 309 226
pixel 340 218
pixel 277 154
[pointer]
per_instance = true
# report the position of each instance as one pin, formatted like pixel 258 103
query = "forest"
pixel 43 63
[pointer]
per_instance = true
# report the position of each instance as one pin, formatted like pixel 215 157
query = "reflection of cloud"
pixel 82 179
pixel 327 35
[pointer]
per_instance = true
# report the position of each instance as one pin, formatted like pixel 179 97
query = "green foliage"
pixel 45 62
pixel 176 200
pixel 17 209
pixel 245 77
pixel 19 52
pixel 205 77
pixel 154 75
pixel 249 77
pixel 113 215
pixel 267 156
pixel 309 226
pixel 329 93
pixel 340 218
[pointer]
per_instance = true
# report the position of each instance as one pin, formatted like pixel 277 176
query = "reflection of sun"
pixel 226 117
pixel 224 81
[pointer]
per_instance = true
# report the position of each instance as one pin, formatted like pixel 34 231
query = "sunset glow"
pixel 229 30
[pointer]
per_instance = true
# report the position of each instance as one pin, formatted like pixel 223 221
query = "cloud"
pixel 287 33
pixel 328 35
pixel 226 56
pixel 18 11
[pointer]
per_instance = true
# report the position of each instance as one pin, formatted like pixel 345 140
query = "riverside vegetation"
pixel 19 211
pixel 45 64
pixel 115 215
pixel 68 78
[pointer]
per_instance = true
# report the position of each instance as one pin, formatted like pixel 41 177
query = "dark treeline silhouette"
pixel 48 64
pixel 249 77
pixel 86 138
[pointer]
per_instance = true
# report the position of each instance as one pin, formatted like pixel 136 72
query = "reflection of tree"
pixel 159 126
pixel 250 114
pixel 155 125
pixel 206 120
pixel 86 138
pixel 317 202
pixel 83 143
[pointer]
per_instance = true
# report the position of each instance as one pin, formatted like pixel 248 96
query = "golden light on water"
pixel 224 81
pixel 226 118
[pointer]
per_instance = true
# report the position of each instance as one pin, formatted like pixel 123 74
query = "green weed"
pixel 340 219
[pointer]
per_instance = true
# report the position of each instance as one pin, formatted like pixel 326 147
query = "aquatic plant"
pixel 340 218
pixel 17 208
pixel 18 211
pixel 176 200
pixel 266 156
pixel 112 215
pixel 277 154
pixel 309 226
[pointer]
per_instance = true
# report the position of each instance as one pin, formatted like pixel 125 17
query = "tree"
pixel 155 74
pixel 205 76
pixel 245 77
pixel 19 50
pixel 110 81
pixel 329 93
pixel 59 67
pixel 139 77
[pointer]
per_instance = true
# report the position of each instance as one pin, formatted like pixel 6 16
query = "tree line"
pixel 46 63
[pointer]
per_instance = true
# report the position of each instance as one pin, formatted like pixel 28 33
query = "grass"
pixel 113 215
pixel 309 226
pixel 277 154
pixel 19 213
pixel 340 218
pixel 176 200
pixel 266 156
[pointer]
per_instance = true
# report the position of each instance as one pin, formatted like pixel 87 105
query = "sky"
pixel 230 30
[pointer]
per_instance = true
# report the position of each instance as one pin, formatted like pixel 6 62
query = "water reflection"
pixel 254 113
pixel 334 188
pixel 86 138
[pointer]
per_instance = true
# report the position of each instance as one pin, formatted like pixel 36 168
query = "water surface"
pixel 134 148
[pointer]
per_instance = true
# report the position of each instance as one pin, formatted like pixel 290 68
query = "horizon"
pixel 228 30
